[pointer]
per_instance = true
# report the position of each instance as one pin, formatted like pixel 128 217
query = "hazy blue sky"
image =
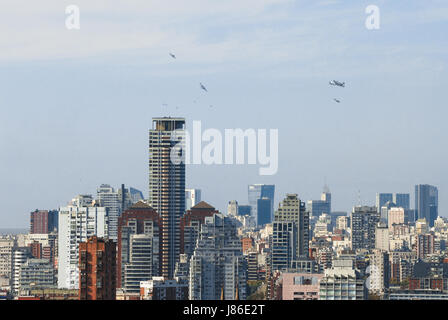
pixel 76 106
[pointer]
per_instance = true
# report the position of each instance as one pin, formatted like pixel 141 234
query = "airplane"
pixel 337 83
pixel 172 55
pixel 338 101
pixel 203 88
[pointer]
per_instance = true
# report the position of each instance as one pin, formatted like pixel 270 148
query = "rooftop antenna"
pixel 359 197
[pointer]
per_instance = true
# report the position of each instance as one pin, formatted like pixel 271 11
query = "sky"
pixel 76 105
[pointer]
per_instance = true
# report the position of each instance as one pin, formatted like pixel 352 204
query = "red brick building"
pixel 97 269
pixel 39 221
pixel 426 283
pixel 43 221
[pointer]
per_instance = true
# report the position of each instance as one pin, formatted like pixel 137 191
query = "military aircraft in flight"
pixel 338 101
pixel 172 56
pixel 203 87
pixel 337 83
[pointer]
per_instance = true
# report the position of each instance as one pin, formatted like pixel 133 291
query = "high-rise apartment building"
pixel 97 265
pixel 396 216
pixel 20 256
pixel 110 199
pixel 382 237
pixel 426 203
pixel 290 239
pixel 43 221
pixel 78 221
pixel 252 266
pixel 167 185
pixel 190 226
pixel 6 248
pixel 261 191
pixel 379 271
pixel 363 222
pixel 425 245
pixel 218 268
pixel 138 245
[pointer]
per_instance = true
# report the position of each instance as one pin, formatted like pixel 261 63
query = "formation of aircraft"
pixel 337 83
pixel 332 83
pixel 172 55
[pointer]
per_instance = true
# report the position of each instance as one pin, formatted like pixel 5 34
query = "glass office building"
pixel 257 192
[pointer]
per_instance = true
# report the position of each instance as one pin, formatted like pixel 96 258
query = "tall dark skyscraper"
pixel 264 211
pixel 167 186
pixel 426 203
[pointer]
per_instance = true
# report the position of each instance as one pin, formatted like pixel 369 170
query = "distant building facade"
pixel 266 211
pixel 426 203
pixel 43 221
pixel 192 198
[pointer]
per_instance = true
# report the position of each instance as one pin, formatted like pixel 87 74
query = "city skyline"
pixel 75 115
pixel 242 200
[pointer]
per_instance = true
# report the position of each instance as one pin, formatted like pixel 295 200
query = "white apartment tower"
pixel 78 221
pixel 110 199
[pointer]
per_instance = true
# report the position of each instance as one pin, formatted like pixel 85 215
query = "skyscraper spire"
pixel 326 188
